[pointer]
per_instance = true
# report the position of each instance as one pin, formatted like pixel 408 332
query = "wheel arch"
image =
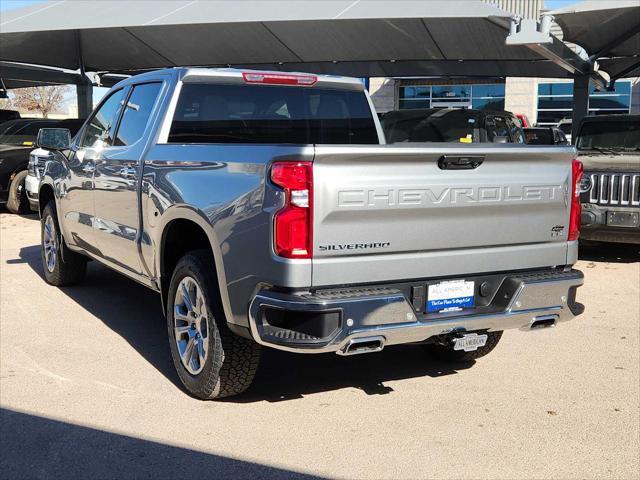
pixel 45 195
pixel 184 229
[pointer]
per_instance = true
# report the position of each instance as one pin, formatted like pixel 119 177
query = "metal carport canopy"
pixel 608 31
pixel 357 38
pixel 15 75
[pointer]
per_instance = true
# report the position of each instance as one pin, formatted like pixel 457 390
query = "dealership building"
pixel 544 101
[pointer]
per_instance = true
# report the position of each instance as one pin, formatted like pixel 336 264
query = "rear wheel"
pixel 444 350
pixel 17 202
pixel 211 361
pixel 61 266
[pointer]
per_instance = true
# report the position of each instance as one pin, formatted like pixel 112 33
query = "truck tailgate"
pixel 391 212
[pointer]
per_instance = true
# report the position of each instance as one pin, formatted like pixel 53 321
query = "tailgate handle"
pixel 460 162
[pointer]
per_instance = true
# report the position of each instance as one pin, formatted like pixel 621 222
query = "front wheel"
pixel 444 350
pixel 61 266
pixel 211 361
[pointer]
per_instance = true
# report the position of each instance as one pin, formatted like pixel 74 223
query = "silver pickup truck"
pixel 267 210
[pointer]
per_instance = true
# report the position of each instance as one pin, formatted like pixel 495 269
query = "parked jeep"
pixel 267 211
pixel 609 148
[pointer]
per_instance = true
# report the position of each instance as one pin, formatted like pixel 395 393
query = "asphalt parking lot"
pixel 87 389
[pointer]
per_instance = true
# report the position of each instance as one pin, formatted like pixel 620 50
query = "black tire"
pixel 69 267
pixel 231 361
pixel 17 201
pixel 446 353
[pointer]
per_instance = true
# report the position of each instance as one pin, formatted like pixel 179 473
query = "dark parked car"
pixel 17 139
pixel 545 136
pixel 6 115
pixel 451 125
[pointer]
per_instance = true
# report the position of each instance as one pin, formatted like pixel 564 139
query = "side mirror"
pixel 54 138
pixel 498 139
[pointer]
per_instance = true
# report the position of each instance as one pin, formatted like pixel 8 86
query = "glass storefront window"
pixel 546 89
pixel 555 101
pixel 620 102
pixel 407 104
pixel 488 104
pixel 481 96
pixel 495 90
pixel 621 88
pixel 451 91
pixel 607 112
pixel 414 92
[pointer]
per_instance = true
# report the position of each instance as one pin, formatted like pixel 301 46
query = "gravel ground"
pixel 87 389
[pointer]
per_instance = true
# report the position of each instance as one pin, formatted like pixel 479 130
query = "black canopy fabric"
pixel 15 75
pixel 356 38
pixel 608 30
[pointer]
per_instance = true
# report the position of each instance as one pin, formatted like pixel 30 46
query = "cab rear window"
pixel 212 113
pixel 431 126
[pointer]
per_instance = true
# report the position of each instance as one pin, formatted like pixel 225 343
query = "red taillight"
pixel 292 225
pixel 576 208
pixel 280 78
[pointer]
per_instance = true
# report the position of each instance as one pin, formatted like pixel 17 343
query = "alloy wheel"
pixel 50 244
pixel 191 325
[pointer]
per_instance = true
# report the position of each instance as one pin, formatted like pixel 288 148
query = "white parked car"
pixel 37 161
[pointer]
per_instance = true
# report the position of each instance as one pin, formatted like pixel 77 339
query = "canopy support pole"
pixel 580 104
pixel 84 88
pixel 84 92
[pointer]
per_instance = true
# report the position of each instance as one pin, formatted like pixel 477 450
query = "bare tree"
pixel 39 99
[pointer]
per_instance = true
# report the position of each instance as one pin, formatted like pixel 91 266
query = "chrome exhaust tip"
pixel 360 345
pixel 543 321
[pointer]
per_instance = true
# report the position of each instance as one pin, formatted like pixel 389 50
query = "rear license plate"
pixel 470 343
pixel 622 219
pixel 450 296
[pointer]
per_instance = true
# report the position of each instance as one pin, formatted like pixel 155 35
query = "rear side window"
pixel 137 112
pixel 209 113
pixel 99 127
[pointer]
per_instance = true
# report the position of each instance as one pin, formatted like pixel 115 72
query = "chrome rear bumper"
pixel 386 316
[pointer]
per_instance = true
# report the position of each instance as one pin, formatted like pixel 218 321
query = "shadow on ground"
pixel 609 252
pixel 38 447
pixel 134 312
pixel 28 216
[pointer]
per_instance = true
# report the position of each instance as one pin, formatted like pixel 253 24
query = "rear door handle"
pixel 460 162
pixel 128 172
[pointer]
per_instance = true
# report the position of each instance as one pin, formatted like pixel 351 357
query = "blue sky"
pixel 12 4
pixel 553 4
